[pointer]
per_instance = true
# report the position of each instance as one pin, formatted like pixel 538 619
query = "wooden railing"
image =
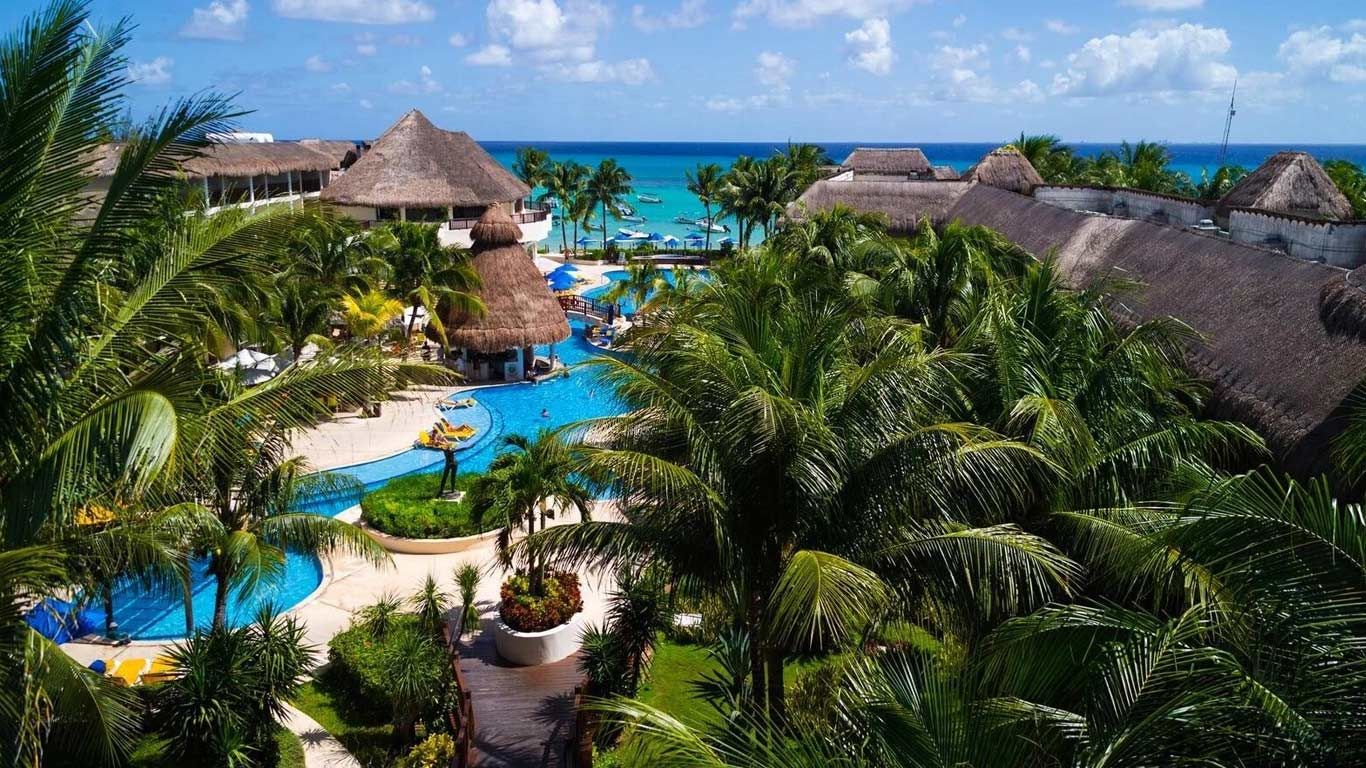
pixel 585 306
pixel 461 720
pixel 585 723
pixel 533 213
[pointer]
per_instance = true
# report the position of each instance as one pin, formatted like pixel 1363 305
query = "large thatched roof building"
pixel 520 311
pixel 1005 168
pixel 1283 337
pixel 1291 183
pixel 416 171
pixel 894 163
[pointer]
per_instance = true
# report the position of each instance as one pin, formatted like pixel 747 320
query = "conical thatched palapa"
pixel 417 165
pixel 520 310
pixel 1005 168
pixel 1288 182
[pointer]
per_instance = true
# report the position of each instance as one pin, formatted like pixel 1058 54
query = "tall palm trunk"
pixel 220 594
pixel 758 689
pixel 605 245
pixel 107 595
pixel 707 206
pixel 777 706
pixel 564 242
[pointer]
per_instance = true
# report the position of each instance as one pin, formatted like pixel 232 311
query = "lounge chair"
pixel 163 669
pixel 452 402
pixel 424 440
pixel 461 432
pixel 127 672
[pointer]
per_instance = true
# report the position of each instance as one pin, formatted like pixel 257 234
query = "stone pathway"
pixel 321 749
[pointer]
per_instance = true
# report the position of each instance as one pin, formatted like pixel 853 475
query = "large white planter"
pixel 427 546
pixel 527 649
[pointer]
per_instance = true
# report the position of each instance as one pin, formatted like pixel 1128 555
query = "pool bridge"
pixel 588 307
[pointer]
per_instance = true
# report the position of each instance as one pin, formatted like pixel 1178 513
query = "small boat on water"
pixel 684 219
pixel 646 197
pixel 551 202
pixel 627 213
pixel 631 234
pixel 707 225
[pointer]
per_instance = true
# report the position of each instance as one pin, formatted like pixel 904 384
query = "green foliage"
pixel 1350 179
pixel 230 690
pixel 403 672
pixel 467 577
pixel 529 610
pixel 407 506
pixel 435 751
pixel 363 728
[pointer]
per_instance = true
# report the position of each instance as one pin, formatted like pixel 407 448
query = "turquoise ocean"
pixel 658 167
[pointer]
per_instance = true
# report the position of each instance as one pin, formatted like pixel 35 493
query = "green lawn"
pixel 364 733
pixel 677 665
pixel 150 752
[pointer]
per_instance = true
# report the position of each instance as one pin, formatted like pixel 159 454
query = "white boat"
pixel 646 197
pixel 683 218
pixel 707 225
pixel 632 234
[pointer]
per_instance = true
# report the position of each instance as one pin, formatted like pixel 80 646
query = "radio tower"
pixel 1228 124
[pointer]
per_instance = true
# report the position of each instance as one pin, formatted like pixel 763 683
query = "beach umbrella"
pixel 670 240
pixel 416 315
pixel 727 241
pixel 567 270
pixel 546 265
pixel 562 281
pixel 585 241
pixel 246 358
pixel 655 237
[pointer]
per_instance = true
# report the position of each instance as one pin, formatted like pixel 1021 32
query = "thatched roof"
pixel 247 159
pixel 1288 182
pixel 417 165
pixel 904 203
pixel 946 173
pixel 1269 357
pixel 520 310
pixel 1005 168
pixel 898 161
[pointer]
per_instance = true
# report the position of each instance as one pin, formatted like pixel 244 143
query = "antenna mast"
pixel 1228 124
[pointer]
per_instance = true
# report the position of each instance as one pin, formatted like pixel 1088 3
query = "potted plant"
pixel 539 628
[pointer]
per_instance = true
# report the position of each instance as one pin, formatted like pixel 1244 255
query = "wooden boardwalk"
pixel 523 716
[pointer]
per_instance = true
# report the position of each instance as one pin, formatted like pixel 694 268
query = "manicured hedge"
pixel 407 507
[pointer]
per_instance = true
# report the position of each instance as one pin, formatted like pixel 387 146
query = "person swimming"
pixel 545 413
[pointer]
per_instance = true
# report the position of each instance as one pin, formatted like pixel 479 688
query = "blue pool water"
pixel 500 411
pixel 627 304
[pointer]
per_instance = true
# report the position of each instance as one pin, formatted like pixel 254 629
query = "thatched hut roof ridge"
pixel 888 161
pixel 902 202
pixel 1290 183
pixel 414 164
pixel 520 311
pixel 245 159
pixel 1005 168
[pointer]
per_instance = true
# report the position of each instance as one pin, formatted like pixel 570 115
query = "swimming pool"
pixel 627 304
pixel 499 411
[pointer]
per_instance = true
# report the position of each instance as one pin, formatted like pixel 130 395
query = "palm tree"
pixel 334 252
pixel 431 605
pixel 426 274
pixel 1214 187
pixel 641 281
pixel 804 162
pixel 368 314
pixel 761 415
pixel 566 182
pixel 302 311
pixel 245 477
pixel 521 486
pixel 707 182
pixel 1350 179
pixel 532 166
pixel 607 185
pixel 579 209
pixel 757 194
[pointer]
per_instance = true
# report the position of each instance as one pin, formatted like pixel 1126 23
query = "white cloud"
pixel 1016 35
pixel 547 31
pixel 1060 27
pixel 958 74
pixel 1022 53
pixel 365 44
pixel 457 40
pixel 316 63
pixel 1164 5
pixel 357 11
pixel 689 14
pixel 959 20
pixel 221 20
pixel 954 57
pixel 425 84
pixel 1183 58
pixel 1322 52
pixel 870 46
pixel 490 56
pixel 154 72
pixel 725 105
pixel 627 72
pixel 365 104
pixel 774 69
pixel 804 13
pixel 404 41
pixel 757 101
pixel 341 88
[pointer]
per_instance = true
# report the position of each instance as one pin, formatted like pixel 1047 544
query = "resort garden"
pixel 870 501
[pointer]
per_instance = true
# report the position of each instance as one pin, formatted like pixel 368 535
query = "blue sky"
pixel 716 70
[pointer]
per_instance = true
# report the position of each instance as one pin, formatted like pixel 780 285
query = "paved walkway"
pixel 321 750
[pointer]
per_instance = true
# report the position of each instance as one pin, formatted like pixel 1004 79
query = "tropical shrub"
pixel 402 671
pixel 408 507
pixel 467 577
pixel 526 611
pixel 435 751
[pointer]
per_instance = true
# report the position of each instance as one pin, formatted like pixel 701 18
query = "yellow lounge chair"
pixel 128 671
pixel 163 669
pixel 462 432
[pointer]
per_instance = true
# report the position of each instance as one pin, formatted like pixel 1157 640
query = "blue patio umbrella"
pixel 568 270
pixel 561 281
pixel 727 241
pixel 655 237
pixel 693 240
pixel 670 240
pixel 585 241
